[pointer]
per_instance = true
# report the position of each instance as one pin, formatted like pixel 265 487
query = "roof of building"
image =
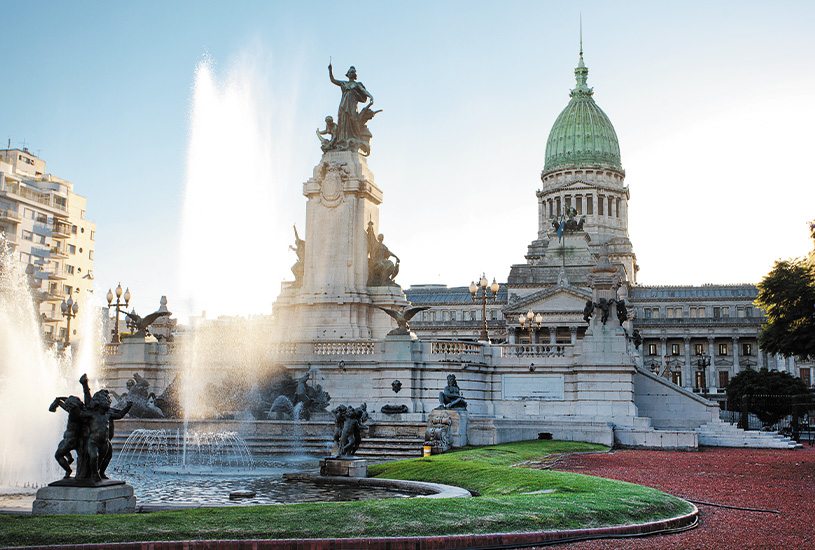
pixel 441 294
pixel 582 134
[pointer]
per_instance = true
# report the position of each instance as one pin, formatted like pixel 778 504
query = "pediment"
pixel 559 298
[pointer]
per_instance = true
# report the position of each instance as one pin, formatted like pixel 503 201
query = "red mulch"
pixel 752 478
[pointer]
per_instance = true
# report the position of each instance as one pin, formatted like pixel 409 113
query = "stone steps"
pixel 385 448
pixel 724 434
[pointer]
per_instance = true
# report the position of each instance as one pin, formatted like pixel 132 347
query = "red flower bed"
pixel 751 478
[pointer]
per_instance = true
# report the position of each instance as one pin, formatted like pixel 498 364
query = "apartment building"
pixel 44 222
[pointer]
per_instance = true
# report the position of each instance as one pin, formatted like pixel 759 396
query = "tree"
pixel 767 391
pixel 787 297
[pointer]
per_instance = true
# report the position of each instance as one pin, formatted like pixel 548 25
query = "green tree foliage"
pixel 768 391
pixel 787 296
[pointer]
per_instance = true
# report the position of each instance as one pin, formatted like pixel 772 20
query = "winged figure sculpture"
pixel 402 318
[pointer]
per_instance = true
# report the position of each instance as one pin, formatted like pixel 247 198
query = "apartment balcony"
pixel 55 275
pixel 59 252
pixel 10 216
pixel 11 239
pixel 60 230
pixel 44 198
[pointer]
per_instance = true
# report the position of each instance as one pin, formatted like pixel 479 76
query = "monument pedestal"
pixel 450 427
pixel 110 498
pixel 345 467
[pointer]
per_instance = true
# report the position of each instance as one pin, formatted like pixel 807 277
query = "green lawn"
pixel 570 501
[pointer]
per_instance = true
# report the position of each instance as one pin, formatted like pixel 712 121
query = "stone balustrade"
pixel 535 350
pixel 366 347
pixel 440 347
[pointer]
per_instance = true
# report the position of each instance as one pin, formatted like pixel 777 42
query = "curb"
pixel 475 542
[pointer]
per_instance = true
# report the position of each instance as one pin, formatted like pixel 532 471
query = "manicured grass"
pixel 570 501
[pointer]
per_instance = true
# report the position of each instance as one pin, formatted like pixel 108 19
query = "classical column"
pixel 687 373
pixel 759 358
pixel 573 330
pixel 552 335
pixel 712 368
pixel 663 343
pixel 736 367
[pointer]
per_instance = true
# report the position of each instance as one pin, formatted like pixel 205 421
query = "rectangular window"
pixel 740 312
pixel 71 249
pixel 40 239
pixel 69 269
pixel 702 313
pixel 432 315
pixel 647 312
pixel 804 375
pixel 652 349
pixel 473 316
pixel 700 349
pixel 699 380
pixel 90 254
pixel 452 315
pixel 693 313
pixel 670 312
pixel 568 201
pixel 724 378
pixel 618 208
pixel 578 201
pixel 27 235
pixel 42 218
pixel 589 205
pixel 600 203
pixel 557 206
pixel 656 313
pixel 93 235
pixel 68 289
pixel 748 312
pixel 747 349
pixel 494 315
pixel 722 349
pixel 725 312
pixel 717 312
pixel 676 377
pixel 73 229
pixel 610 204
pixel 674 349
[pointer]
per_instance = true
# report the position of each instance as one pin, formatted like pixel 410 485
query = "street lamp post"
pixel 69 310
pixel 117 305
pixel 483 298
pixel 702 363
pixel 534 322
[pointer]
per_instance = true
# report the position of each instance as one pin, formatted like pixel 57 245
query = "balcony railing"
pixel 10 215
pixel 41 197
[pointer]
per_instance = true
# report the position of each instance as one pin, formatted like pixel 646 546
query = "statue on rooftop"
pixel 351 132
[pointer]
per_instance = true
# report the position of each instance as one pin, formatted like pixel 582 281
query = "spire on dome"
pixel 581 73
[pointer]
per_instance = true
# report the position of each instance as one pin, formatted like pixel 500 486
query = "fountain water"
pixel 31 376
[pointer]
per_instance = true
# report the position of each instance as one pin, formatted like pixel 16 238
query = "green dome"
pixel 582 134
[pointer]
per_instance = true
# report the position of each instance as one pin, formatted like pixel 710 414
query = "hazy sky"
pixel 712 103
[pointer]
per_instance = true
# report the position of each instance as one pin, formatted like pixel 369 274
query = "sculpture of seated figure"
pixel 451 397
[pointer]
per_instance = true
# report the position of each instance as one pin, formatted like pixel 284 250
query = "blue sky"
pixel 712 103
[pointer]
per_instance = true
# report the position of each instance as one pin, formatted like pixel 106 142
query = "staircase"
pixel 723 434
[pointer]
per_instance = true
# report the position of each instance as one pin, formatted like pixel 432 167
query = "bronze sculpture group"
pixel 350 131
pixel 349 423
pixel 88 432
